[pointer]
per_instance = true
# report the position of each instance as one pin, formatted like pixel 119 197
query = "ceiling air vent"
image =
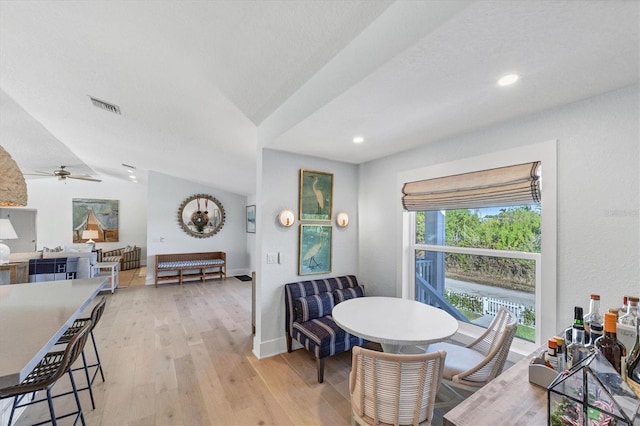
pixel 105 105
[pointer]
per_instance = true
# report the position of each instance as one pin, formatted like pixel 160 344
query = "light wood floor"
pixel 182 356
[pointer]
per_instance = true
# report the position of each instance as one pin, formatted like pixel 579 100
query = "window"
pixel 440 249
pixel 470 262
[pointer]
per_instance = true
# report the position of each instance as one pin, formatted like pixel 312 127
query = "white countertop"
pixel 394 322
pixel 33 316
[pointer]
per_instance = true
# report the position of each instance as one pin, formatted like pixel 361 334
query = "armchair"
pixel 394 389
pixel 129 257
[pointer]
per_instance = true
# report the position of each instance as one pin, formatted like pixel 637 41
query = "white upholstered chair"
pixel 396 389
pixel 473 366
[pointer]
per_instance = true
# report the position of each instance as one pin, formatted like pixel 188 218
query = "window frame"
pixel 546 269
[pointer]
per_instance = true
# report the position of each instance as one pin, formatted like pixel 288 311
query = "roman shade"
pixel 499 187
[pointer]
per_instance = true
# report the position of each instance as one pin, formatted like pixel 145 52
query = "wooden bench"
pixel 202 265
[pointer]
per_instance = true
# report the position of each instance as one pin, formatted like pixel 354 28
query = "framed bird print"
pixel 316 195
pixel 315 249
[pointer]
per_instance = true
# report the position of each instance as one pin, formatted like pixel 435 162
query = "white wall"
pixel 53 201
pixel 251 240
pixel 598 196
pixel 278 188
pixel 165 195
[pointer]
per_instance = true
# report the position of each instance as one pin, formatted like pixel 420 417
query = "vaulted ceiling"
pixel 202 84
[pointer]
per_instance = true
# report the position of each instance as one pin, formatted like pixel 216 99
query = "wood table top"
pixel 509 399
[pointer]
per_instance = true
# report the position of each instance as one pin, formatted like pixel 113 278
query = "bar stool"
pixel 96 314
pixel 46 374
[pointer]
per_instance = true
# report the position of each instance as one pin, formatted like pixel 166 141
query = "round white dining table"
pixel 394 322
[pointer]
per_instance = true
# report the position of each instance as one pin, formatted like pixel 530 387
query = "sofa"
pixel 308 306
pixel 129 257
pixel 83 252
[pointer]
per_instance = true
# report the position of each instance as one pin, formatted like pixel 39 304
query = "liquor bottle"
pixel 597 330
pixel 576 350
pixel 593 317
pixel 551 357
pixel 623 309
pixel 627 323
pixel 633 364
pixel 562 353
pixel 609 345
pixel 631 316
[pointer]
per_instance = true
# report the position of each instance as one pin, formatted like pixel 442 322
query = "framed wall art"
pixel 251 219
pixel 314 255
pixel 95 215
pixel 316 195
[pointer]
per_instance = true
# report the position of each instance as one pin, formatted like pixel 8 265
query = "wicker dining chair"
pixel 46 374
pixel 396 389
pixel 96 314
pixel 473 366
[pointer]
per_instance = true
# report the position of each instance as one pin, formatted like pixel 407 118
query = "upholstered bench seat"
pixel 308 320
pixel 190 263
pixel 171 266
pixel 323 337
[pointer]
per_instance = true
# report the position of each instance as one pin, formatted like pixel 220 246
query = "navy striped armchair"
pixel 308 306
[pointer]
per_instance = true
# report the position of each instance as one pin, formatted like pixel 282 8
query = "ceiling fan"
pixel 63 174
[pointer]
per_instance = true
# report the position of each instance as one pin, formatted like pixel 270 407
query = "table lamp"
pixel 6 233
pixel 89 235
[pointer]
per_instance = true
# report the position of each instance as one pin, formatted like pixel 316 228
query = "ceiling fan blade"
pixel 89 178
pixel 38 173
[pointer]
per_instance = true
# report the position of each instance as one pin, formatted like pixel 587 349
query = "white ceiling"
pixel 199 82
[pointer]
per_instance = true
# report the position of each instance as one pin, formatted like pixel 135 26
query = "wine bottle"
pixel 609 345
pixel 633 364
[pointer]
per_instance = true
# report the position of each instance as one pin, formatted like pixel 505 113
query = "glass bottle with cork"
pixel 593 317
pixel 610 346
pixel 627 323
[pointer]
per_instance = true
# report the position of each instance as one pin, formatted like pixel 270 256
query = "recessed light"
pixel 358 139
pixel 508 79
pixel 132 176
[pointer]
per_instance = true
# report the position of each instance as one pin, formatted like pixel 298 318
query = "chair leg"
pixel 13 410
pixel 52 412
pixel 75 395
pixel 320 363
pixel 95 348
pixel 86 374
pixel 289 343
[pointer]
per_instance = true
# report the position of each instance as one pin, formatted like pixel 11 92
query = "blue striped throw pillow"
pixel 340 295
pixel 312 307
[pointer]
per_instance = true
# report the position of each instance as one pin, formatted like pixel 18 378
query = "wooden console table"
pixel 18 272
pixel 509 399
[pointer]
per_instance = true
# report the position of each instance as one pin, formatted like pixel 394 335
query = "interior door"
pixel 24 222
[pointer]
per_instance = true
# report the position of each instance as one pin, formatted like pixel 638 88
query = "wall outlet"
pixel 272 258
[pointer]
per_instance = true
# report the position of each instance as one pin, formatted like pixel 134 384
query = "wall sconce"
pixel 286 218
pixel 342 219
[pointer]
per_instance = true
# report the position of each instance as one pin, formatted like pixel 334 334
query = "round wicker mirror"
pixel 201 216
